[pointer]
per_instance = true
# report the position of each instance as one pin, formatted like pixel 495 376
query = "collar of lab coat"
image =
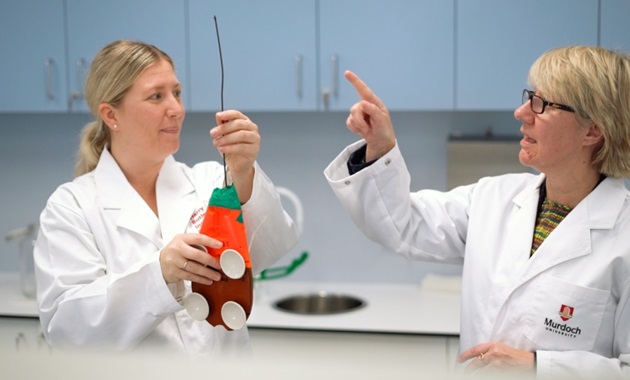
pixel 572 237
pixel 172 188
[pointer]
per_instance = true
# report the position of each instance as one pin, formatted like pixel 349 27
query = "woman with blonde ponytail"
pixel 116 250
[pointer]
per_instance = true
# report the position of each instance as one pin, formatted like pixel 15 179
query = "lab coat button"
pixel 346 182
pixel 388 161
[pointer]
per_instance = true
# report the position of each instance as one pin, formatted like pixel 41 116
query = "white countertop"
pixel 389 308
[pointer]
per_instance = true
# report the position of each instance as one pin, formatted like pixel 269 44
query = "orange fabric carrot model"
pixel 229 300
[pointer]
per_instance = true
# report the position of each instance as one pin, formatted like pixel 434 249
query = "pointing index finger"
pixel 365 93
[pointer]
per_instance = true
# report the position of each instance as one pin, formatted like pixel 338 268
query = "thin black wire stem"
pixel 216 27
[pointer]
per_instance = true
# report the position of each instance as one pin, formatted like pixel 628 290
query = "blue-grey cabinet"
pixel 290 55
pixel 498 40
pixel 33 63
pixel 91 24
pixel 268 50
pixel 47 46
pixel 402 49
pixel 615 28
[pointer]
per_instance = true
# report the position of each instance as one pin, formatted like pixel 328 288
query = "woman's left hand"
pixel 496 355
pixel 237 137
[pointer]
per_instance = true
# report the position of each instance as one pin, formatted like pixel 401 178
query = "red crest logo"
pixel 566 312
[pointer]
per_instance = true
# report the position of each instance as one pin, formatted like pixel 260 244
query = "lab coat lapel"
pixel 122 202
pixel 138 217
pixel 521 233
pixel 176 200
pixel 572 237
pixel 569 240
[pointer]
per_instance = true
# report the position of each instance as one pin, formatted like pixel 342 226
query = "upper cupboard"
pixel 498 40
pixel 290 55
pixel 615 28
pixel 268 49
pixel 91 24
pixel 33 64
pixel 48 45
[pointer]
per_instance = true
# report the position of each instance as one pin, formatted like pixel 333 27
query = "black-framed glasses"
pixel 538 104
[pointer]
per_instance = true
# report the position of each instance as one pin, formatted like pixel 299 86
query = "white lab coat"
pixel 506 295
pixel 99 282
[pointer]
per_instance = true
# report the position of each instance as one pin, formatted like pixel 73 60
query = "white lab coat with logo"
pixel 99 282
pixel 583 266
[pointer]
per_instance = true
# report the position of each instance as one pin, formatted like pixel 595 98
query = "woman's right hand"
pixel 181 260
pixel 369 118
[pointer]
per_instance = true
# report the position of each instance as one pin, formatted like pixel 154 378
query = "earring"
pixel 115 126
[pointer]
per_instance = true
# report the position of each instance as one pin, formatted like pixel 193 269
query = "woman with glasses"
pixel 546 258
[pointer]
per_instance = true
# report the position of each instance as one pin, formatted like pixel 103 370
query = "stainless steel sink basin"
pixel 319 303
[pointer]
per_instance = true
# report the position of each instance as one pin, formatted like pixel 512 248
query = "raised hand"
pixel 369 118
pixel 237 137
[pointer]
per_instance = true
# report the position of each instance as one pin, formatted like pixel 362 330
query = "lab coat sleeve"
pixel 580 365
pixel 80 303
pixel 271 232
pixel 427 225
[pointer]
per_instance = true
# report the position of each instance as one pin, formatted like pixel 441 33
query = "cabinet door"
pixel 402 49
pixel 92 24
pixel 452 351
pixel 21 334
pixel 268 50
pixel 351 355
pixel 33 64
pixel 614 25
pixel 498 40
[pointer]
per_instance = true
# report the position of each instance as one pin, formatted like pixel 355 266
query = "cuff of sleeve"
pixel 356 161
pixel 259 176
pixel 543 365
pixel 163 297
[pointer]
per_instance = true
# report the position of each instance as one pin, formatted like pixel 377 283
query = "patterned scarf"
pixel 550 215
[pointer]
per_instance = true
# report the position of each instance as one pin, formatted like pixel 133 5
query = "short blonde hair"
pixel 595 82
pixel 112 72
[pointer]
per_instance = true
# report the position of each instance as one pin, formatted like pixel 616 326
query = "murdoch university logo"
pixel 566 312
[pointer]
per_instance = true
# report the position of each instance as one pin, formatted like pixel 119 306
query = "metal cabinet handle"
pixel 334 82
pixel 298 75
pixel 77 94
pixel 48 75
pixel 42 343
pixel 326 97
pixel 20 341
pixel 74 96
pixel 81 70
pixel 334 70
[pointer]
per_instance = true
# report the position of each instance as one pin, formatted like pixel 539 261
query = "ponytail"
pixel 94 137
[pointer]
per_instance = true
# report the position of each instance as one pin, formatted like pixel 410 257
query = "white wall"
pixel 37 154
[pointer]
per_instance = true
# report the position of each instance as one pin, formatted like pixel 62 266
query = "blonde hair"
pixel 112 72
pixel 595 82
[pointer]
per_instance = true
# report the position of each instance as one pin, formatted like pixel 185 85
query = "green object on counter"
pixel 279 272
